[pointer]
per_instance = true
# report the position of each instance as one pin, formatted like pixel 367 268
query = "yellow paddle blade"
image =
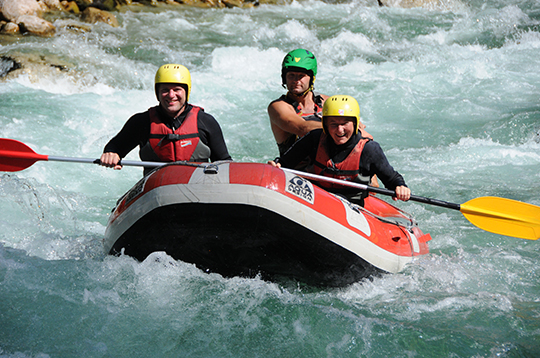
pixel 504 216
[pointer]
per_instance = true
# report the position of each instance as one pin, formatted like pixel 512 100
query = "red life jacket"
pixel 174 146
pixel 348 169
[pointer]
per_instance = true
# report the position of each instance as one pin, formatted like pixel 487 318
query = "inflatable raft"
pixel 248 219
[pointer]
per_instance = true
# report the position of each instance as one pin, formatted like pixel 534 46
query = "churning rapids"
pixel 452 94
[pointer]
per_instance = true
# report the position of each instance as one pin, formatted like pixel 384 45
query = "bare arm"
pixel 284 120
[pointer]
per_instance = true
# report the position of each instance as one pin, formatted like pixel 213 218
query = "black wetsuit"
pixel 372 161
pixel 136 131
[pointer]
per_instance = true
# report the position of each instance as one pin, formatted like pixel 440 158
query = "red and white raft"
pixel 248 219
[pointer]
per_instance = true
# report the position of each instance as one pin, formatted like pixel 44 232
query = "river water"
pixel 452 94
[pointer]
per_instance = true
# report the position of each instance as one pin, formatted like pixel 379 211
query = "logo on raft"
pixel 301 188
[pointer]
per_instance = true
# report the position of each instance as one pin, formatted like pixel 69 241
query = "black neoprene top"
pixel 136 131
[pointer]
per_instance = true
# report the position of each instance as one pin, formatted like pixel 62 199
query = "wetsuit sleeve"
pixel 210 134
pixel 301 149
pixel 135 132
pixel 373 161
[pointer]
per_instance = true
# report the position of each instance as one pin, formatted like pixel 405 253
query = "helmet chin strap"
pixel 299 95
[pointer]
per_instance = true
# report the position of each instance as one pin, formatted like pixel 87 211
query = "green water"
pixel 451 94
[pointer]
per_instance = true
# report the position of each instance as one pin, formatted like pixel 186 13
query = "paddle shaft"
pixel 131 163
pixel 372 189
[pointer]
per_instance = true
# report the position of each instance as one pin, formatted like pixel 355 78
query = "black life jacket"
pixel 316 116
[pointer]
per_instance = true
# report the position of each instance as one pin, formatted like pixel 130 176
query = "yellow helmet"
pixel 172 73
pixel 341 106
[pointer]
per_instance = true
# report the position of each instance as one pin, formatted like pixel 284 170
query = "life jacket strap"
pixel 172 137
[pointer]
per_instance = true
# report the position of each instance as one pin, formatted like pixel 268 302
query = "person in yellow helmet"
pixel 298 112
pixel 172 131
pixel 340 150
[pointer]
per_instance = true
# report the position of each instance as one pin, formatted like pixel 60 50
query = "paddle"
pixel 496 215
pixel 16 156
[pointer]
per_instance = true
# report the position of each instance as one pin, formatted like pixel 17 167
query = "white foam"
pixel 63 84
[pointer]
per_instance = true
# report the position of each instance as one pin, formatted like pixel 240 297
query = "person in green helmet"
pixel 340 150
pixel 174 130
pixel 299 111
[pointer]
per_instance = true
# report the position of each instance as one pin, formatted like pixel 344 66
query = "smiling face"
pixel 172 97
pixel 340 129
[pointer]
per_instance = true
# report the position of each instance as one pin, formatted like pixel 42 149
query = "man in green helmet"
pixel 299 111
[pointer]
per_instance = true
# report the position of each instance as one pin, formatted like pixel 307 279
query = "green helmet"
pixel 299 60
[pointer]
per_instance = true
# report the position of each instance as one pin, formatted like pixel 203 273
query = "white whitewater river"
pixel 452 94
